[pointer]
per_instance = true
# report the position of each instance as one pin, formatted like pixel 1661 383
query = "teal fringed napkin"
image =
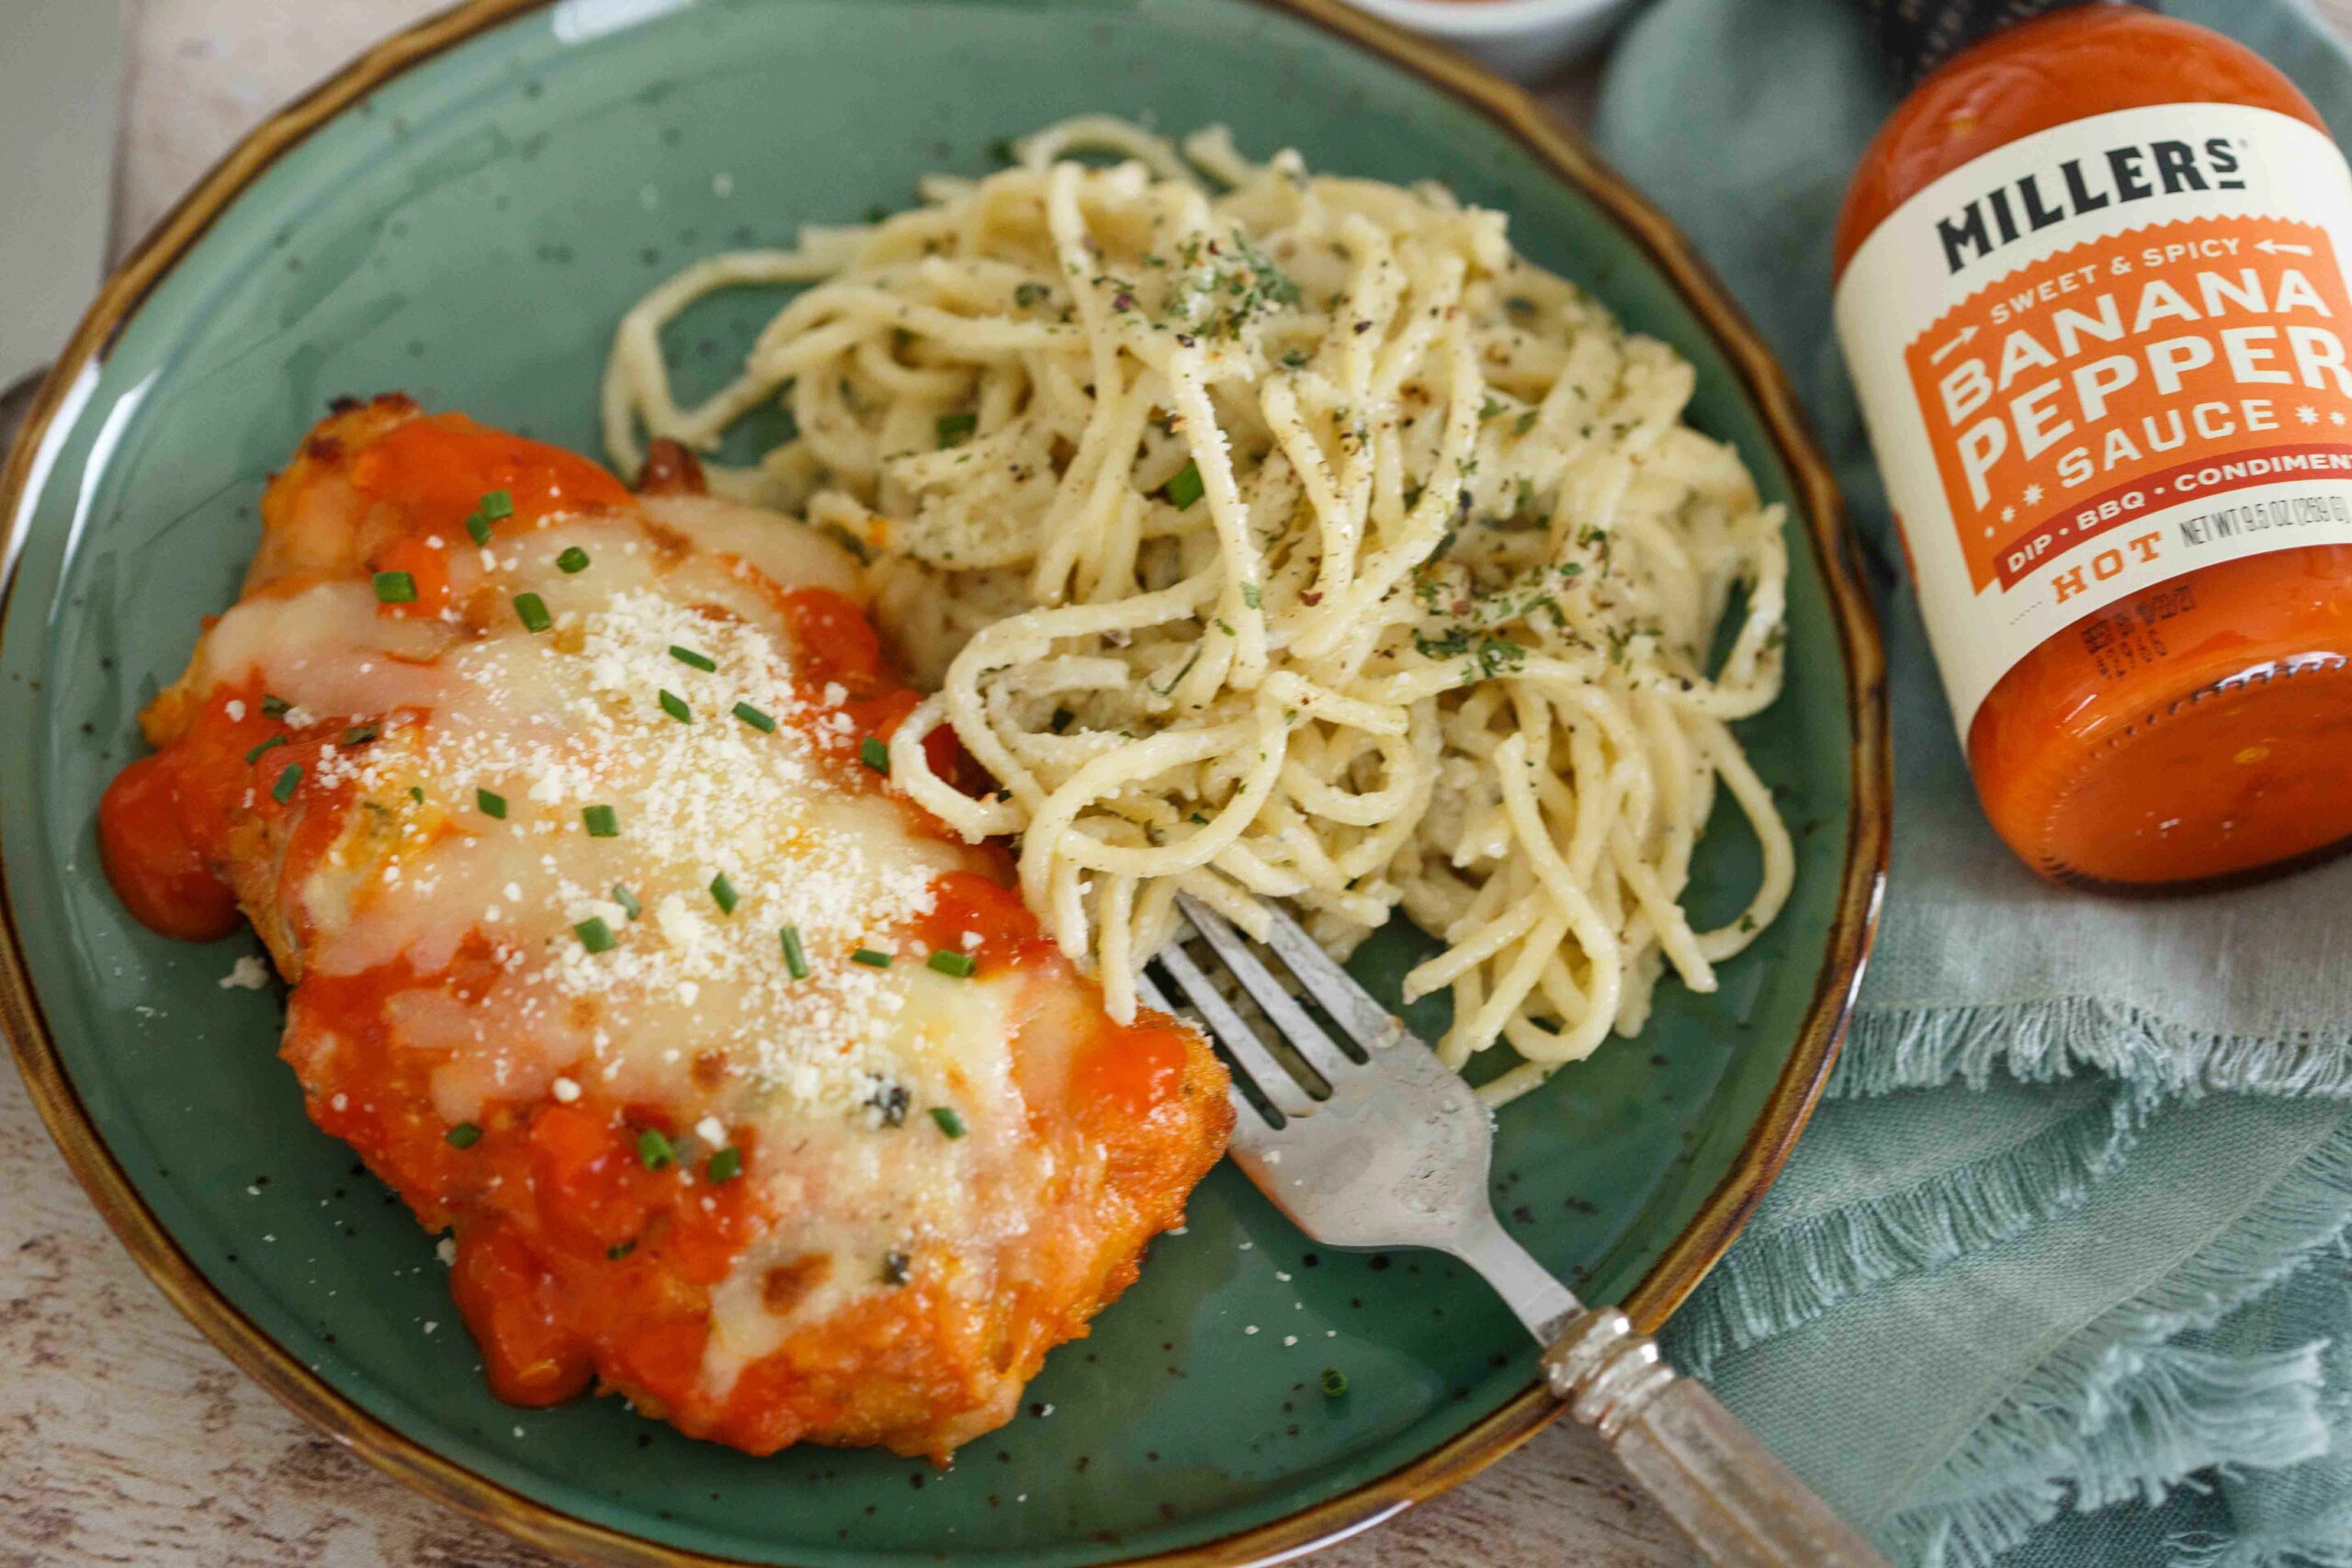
pixel 2058 1278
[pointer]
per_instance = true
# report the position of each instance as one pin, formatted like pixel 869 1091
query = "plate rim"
pixel 1565 154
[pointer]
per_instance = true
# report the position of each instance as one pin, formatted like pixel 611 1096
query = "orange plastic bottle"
pixel 2091 287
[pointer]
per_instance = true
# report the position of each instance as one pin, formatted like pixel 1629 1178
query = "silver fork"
pixel 1397 1155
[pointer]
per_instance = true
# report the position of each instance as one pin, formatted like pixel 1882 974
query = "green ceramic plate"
pixel 464 215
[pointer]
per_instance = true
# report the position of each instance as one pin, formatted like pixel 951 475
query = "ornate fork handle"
pixel 1741 1506
pixel 1739 1503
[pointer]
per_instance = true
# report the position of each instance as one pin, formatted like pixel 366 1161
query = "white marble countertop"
pixel 125 1437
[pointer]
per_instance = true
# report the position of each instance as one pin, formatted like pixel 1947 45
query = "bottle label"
pixel 2100 356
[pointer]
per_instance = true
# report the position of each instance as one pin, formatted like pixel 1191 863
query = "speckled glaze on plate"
pixel 464 213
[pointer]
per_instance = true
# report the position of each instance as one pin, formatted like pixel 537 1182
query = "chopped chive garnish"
pixel 1335 1382
pixel 416 794
pixel 534 612
pixel 596 935
pixel 874 754
pixel 626 900
pixel 490 802
pixel 621 1249
pixel 498 503
pixel 959 965
pixel 359 734
pixel 949 1123
pixel 896 1265
pixel 571 561
pixel 287 783
pixel 1250 594
pixel 955 427
pixel 255 755
pixel 602 821
pixel 871 958
pixel 675 706
pixel 477 528
pixel 1185 488
pixel 653 1150
pixel 689 657
pixel 464 1135
pixel 754 717
pixel 794 959
pixel 395 587
pixel 1029 294
pixel 723 892
pixel 274 707
pixel 724 1166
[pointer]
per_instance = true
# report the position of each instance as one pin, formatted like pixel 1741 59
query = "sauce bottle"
pixel 2091 289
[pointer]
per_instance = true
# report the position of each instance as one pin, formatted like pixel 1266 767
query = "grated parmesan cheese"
pixel 554 723
pixel 690 1005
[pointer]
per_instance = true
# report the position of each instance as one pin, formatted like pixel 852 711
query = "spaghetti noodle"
pixel 1276 536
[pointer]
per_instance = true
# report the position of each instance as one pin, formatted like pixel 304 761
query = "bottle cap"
pixel 1914 36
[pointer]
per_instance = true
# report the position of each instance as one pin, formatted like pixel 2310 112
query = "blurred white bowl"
pixel 1522 38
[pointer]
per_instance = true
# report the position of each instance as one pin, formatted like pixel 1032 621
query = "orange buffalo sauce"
pixel 2092 291
pixel 594 1231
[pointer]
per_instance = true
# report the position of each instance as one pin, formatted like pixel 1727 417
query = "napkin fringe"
pixel 1776 1280
pixel 2042 1041
pixel 2181 1412
pixel 2119 1412
pixel 2322 1542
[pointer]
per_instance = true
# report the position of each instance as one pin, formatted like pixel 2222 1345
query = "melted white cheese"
pixel 559 721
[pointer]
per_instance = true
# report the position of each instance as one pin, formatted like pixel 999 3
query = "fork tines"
pixel 1371 1026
